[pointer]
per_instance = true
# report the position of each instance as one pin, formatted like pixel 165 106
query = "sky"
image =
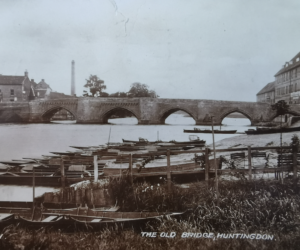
pixel 196 49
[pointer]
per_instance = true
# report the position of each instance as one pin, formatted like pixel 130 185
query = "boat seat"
pixel 96 220
pixel 50 218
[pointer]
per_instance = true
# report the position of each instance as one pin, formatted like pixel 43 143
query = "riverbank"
pixel 265 140
pixel 249 215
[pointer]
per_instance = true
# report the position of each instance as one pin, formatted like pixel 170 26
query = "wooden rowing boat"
pixel 260 131
pixel 207 131
pixel 152 167
pixel 145 141
pixel 67 220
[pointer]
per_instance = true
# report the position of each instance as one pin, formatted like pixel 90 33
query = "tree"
pixel 104 94
pixel 118 94
pixel 95 85
pixel 141 90
pixel 281 108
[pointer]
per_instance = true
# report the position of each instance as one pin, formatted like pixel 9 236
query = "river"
pixel 34 140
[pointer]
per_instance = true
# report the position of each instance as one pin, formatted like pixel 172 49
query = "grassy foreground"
pixel 257 207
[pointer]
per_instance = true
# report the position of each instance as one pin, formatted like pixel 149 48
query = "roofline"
pixel 266 92
pixel 273 89
pixel 285 70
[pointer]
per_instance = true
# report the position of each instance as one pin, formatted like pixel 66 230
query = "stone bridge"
pixel 146 110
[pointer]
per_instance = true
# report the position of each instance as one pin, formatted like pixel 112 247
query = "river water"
pixel 34 140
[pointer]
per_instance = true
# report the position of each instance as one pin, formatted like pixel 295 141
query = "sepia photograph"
pixel 153 125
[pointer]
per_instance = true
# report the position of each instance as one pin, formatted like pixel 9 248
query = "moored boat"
pixel 113 169
pixel 67 220
pixel 193 140
pixel 270 130
pixel 207 131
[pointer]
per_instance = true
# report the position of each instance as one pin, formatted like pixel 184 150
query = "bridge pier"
pixel 205 123
pixel 144 122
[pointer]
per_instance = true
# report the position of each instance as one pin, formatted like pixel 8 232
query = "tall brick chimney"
pixel 73 79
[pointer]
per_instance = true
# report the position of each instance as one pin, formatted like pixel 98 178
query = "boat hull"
pixel 68 221
pixel 209 131
pixel 271 131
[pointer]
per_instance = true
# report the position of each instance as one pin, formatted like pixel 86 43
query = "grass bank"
pixel 257 207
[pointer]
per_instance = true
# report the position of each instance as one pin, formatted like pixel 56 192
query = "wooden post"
pixel 168 170
pixel 92 198
pixel 215 163
pixel 62 171
pixel 206 164
pixel 33 187
pixel 295 163
pixel 130 168
pixel 95 168
pixel 249 163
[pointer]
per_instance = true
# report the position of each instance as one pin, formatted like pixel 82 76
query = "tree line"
pixel 95 87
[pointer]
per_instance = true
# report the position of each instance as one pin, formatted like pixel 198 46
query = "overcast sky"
pixel 198 49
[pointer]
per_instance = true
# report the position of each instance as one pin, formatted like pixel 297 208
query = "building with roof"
pixel 42 89
pixel 21 89
pixel 287 83
pixel 16 88
pixel 267 94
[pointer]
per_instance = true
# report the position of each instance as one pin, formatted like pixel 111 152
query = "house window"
pixel 295 86
pixel 12 92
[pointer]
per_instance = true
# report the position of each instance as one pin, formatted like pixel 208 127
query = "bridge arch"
pixel 236 110
pixel 110 112
pixel 164 115
pixel 48 114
